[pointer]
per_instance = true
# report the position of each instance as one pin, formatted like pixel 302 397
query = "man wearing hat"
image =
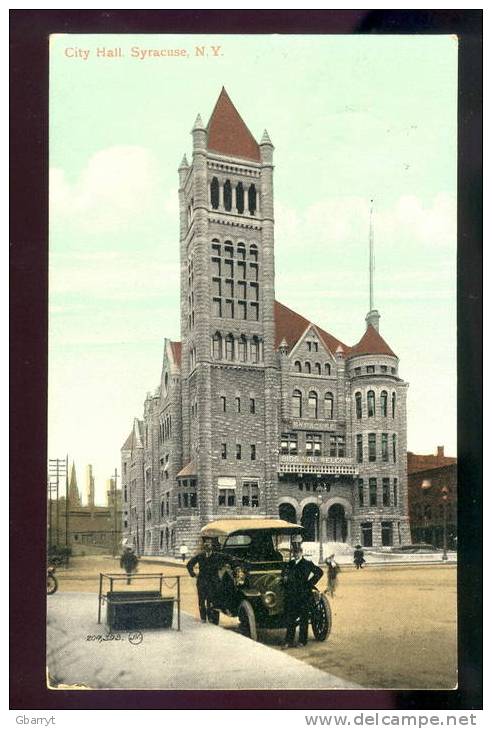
pixel 209 563
pixel 129 562
pixel 300 576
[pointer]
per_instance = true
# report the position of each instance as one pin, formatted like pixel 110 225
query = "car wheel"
pixel 321 617
pixel 247 620
pixel 51 584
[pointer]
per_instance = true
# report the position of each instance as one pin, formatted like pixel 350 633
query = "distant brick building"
pixel 428 475
pixel 88 526
pixel 259 411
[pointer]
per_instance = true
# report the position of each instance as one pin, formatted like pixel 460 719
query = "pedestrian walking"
pixel 333 569
pixel 129 562
pixel 209 563
pixel 299 577
pixel 183 550
pixel 359 560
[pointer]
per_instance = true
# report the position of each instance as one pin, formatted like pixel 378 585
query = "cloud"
pixel 117 185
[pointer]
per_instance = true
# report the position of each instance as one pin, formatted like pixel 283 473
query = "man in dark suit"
pixel 300 576
pixel 207 580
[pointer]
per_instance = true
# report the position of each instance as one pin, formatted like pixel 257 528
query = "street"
pixel 393 626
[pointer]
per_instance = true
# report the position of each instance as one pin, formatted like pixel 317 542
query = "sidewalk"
pixel 198 657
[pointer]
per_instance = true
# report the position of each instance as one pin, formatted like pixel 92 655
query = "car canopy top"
pixel 226 527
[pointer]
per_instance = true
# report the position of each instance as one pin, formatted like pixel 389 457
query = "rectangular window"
pixel 387 533
pixel 395 492
pixel 238 451
pixel 238 404
pixel 255 311
pixel 228 269
pixel 384 368
pixel 216 267
pixel 384 447
pixel 359 448
pixel 366 529
pixel 357 371
pixel 341 446
pixel 241 269
pixel 241 289
pixel 223 451
pixel 253 291
pixel 223 403
pixel 242 310
pixel 386 492
pixel 217 307
pixel 253 452
pixel 227 497
pixel 372 446
pixel 252 405
pixel 288 444
pixel 216 287
pixel 313 444
pixel 215 250
pixel 370 369
pixel 394 447
pixel 228 251
pixel 251 494
pixel 229 309
pixel 361 491
pixel 229 288
pixel 373 492
pixel 253 271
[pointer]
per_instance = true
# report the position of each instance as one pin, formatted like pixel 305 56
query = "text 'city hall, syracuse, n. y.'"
pixel 259 412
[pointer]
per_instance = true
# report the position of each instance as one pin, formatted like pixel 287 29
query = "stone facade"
pixel 259 412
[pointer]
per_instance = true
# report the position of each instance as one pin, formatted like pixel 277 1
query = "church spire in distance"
pixel 373 316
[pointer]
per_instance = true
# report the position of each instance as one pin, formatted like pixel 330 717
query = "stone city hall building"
pixel 259 412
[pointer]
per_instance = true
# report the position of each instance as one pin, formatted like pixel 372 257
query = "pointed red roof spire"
pixel 227 132
pixel 371 343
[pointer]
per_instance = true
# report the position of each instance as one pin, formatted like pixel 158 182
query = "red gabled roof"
pixel 176 349
pixel 371 343
pixel 227 132
pixel 290 325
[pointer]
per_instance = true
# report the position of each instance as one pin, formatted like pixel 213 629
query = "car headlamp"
pixel 270 599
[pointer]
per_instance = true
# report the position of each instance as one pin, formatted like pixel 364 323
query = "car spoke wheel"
pixel 247 620
pixel 321 617
pixel 51 584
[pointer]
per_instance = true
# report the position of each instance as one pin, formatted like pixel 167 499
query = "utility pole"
pixel 67 505
pixel 115 510
pixel 56 469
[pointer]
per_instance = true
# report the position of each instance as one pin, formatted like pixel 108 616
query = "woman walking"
pixel 333 570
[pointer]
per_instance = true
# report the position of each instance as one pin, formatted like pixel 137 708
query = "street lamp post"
pixel 444 496
pixel 320 535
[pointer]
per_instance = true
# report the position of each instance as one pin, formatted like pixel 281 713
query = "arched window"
pixel 358 405
pixel 217 346
pixel 240 198
pixel 393 404
pixel 384 404
pixel 214 193
pixel 317 368
pixel 227 195
pixel 394 447
pixel 228 249
pixel 297 404
pixel 297 366
pixel 255 349
pixel 241 251
pixel 307 367
pixel 371 404
pixel 313 405
pixel 229 347
pixel 327 368
pixel 252 199
pixel 329 405
pixel 253 252
pixel 242 348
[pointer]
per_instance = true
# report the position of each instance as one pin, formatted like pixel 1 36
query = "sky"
pixel 351 118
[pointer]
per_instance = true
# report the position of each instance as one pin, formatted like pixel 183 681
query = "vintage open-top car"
pixel 250 581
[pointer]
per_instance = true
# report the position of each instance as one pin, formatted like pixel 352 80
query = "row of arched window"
pixel 227 250
pixel 371 404
pixel 233 198
pixel 316 369
pixel 240 349
pixel 311 407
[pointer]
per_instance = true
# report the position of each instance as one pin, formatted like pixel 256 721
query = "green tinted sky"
pixel 350 117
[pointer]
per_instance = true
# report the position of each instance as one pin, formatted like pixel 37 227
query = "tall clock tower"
pixel 230 374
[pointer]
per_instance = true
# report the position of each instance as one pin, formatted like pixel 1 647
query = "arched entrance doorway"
pixel 287 512
pixel 309 520
pixel 336 524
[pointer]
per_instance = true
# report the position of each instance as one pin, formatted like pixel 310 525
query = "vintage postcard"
pixel 252 478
